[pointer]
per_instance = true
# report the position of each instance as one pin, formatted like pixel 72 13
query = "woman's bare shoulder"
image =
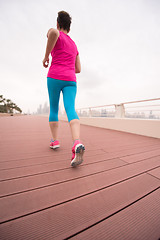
pixel 53 31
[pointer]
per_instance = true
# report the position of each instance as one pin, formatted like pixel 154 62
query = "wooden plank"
pixel 54 177
pixel 155 172
pixel 60 201
pixel 50 155
pixel 112 147
pixel 114 141
pixel 49 167
pixel 71 217
pixel 58 155
pixel 139 221
pixel 130 152
pixel 141 156
pixel 19 153
pixel 27 202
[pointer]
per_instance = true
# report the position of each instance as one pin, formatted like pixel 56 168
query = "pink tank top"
pixel 63 59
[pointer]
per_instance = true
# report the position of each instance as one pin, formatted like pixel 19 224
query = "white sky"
pixel 118 41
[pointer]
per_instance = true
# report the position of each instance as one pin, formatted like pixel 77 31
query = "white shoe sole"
pixel 79 151
pixel 54 147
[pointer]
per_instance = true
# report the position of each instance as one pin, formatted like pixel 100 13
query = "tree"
pixel 1 98
pixel 3 107
pixel 8 106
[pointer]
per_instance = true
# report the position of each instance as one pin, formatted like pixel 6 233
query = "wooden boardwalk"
pixel 114 194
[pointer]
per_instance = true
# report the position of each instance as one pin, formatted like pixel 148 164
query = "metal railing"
pixel 146 110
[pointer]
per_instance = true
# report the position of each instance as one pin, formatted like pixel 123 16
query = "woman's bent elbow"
pixel 78 70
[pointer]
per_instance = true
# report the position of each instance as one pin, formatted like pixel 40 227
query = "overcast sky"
pixel 118 42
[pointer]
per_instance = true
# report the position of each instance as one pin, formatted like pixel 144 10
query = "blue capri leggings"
pixel 69 90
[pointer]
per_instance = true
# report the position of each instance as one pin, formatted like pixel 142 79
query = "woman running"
pixel 62 77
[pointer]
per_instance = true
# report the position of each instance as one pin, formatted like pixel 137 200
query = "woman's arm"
pixel 77 64
pixel 49 31
pixel 52 35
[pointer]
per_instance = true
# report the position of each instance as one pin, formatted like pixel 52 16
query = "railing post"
pixel 90 112
pixel 120 111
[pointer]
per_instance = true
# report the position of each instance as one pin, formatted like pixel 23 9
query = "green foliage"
pixel 7 106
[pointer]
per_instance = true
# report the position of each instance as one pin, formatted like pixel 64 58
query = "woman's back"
pixel 63 59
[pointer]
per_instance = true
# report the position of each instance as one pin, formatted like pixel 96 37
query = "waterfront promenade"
pixel 114 194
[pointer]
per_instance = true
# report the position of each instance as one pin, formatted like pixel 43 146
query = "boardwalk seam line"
pixel 23 159
pixel 9 179
pixel 54 184
pixel 63 169
pixel 102 220
pixel 28 158
pixel 45 163
pixel 73 199
pixel 153 175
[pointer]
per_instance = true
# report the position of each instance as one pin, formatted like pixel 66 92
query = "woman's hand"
pixel 53 35
pixel 45 62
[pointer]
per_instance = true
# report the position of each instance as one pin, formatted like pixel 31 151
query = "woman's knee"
pixel 71 114
pixel 53 116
